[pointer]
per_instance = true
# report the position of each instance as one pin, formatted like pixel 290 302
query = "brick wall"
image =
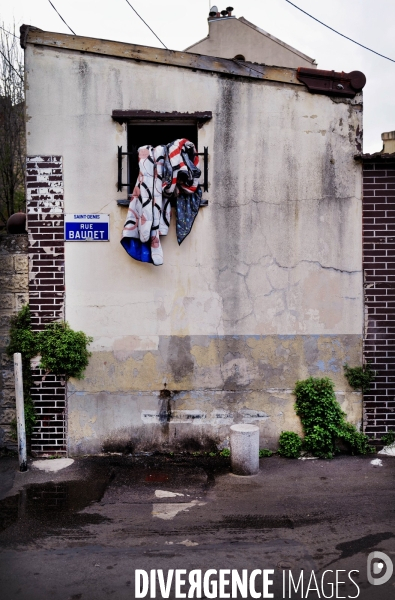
pixel 379 271
pixel 44 205
pixel 13 295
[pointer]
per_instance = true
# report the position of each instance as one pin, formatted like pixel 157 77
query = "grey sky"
pixel 179 23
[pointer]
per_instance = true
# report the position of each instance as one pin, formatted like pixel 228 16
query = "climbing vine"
pixel 388 438
pixel 324 421
pixel 360 378
pixel 23 340
pixel 63 352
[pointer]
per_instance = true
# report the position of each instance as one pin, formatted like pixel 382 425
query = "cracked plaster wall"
pixel 267 288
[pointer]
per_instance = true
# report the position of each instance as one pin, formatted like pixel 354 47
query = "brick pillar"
pixel 379 272
pixel 45 217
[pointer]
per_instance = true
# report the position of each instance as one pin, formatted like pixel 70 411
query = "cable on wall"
pixel 61 17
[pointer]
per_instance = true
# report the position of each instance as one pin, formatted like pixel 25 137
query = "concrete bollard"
pixel 244 449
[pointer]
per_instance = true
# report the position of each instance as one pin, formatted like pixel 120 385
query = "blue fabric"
pixel 136 249
pixel 187 207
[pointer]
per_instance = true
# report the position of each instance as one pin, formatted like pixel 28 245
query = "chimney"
pixel 389 142
pixel 216 14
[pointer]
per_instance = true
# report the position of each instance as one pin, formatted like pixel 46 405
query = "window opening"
pixel 154 134
pixel 146 127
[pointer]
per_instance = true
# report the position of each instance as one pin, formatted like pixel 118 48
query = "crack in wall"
pixel 281 201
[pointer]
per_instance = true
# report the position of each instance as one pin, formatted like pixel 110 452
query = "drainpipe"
pixel 20 412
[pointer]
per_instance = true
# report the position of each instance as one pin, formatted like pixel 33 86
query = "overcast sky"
pixel 179 23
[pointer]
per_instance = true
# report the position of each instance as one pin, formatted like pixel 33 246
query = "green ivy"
pixel 264 452
pixel 23 340
pixel 357 441
pixel 30 418
pixel 388 438
pixel 63 351
pixel 359 378
pixel 290 444
pixel 324 421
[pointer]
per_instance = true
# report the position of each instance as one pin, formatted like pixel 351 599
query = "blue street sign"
pixel 86 228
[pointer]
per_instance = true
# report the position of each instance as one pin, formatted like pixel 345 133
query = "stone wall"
pixel 13 295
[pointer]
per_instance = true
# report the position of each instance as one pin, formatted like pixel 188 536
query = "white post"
pixel 20 412
pixel 244 449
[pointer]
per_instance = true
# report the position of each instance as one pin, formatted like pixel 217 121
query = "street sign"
pixel 86 228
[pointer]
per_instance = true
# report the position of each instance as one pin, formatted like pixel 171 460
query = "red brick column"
pixel 379 272
pixel 45 216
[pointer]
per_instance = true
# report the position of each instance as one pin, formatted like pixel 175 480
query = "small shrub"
pixel 263 452
pixel 319 442
pixel 290 444
pixel 23 340
pixel 388 438
pixel 63 350
pixel 359 378
pixel 357 442
pixel 324 421
pixel 225 452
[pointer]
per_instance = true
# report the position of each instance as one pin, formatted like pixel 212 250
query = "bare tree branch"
pixel 12 124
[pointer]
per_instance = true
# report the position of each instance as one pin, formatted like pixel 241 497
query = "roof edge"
pixel 196 43
pixel 276 40
pixel 376 157
pixel 63 41
pixel 197 62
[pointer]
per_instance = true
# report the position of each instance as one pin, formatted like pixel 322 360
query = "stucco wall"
pixel 229 37
pixel 265 290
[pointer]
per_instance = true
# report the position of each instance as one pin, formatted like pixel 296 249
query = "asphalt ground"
pixel 82 532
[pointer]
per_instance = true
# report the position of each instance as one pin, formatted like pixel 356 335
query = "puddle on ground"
pixel 177 473
pixel 51 508
pixel 43 509
pixel 157 477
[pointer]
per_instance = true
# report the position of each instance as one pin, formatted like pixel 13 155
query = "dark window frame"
pixel 175 121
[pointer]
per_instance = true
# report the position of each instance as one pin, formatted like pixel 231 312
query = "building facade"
pixel 266 290
pixel 238 38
